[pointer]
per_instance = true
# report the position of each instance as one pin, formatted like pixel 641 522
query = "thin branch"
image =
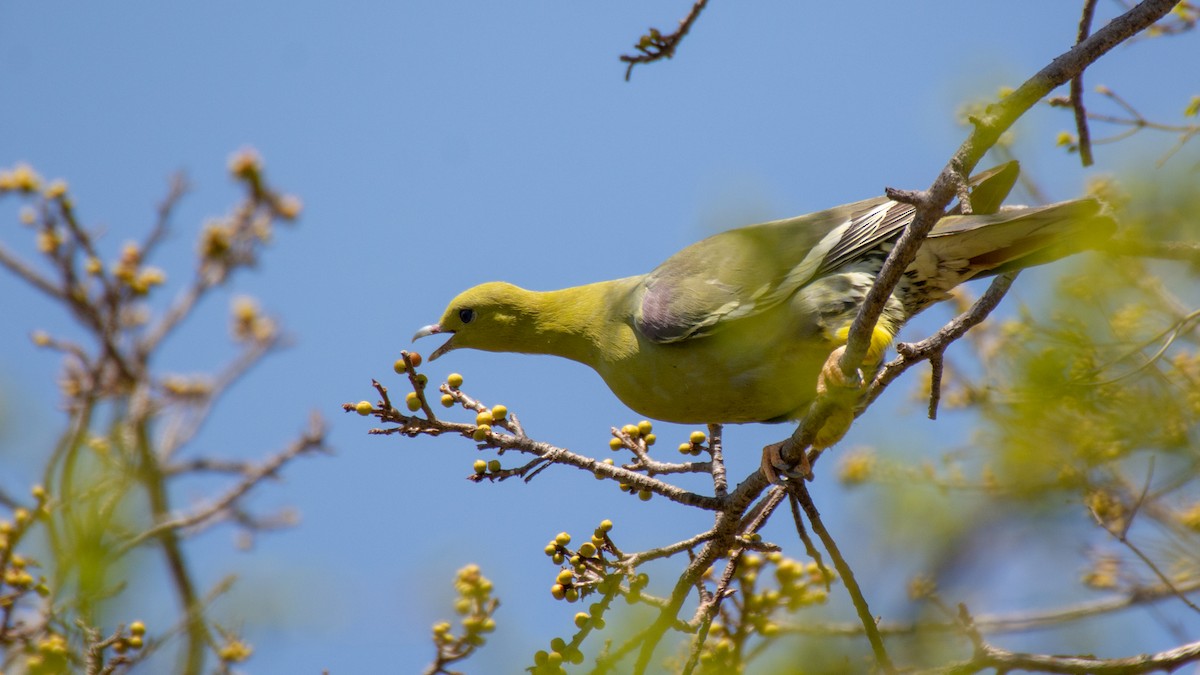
pixel 720 481
pixel 1018 622
pixel 313 439
pixel 654 46
pixel 1081 119
pixel 1002 660
pixel 800 491
pixel 911 353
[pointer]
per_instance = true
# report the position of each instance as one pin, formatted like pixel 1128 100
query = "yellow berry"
pixel 484 419
pixel 400 366
pixel 565 577
pixel 554 660
pixel 630 430
pixel 364 408
pixel 135 641
pixel 645 495
pixel 644 427
pixel 581 619
pixel 558 591
pixel 493 465
pixel 551 548
pixel 587 549
pixel 615 443
pixel 480 433
pixel 499 412
pixel 605 526
pixel 422 379
pixel 480 467
pixel 649 439
pixel 685 448
pixel 562 539
pixel 447 400
pixel 454 380
pixel 571 594
pixel 697 437
pixel 413 401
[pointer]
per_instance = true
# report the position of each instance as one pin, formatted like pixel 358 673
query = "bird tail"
pixel 961 248
pixel 1019 237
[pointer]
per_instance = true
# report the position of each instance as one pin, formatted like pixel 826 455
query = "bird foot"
pixel 832 379
pixel 778 471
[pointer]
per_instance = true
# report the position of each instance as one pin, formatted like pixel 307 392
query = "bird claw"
pixel 778 471
pixel 832 378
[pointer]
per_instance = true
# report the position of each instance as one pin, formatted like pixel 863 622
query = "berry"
pixel 364 408
pixel 697 437
pixel 454 380
pixel 413 401
pixel 480 467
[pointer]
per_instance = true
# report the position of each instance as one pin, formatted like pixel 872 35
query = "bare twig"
pixel 800 491
pixel 655 46
pixel 1081 125
pixel 312 439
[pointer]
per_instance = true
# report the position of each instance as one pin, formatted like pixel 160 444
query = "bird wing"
pixel 746 271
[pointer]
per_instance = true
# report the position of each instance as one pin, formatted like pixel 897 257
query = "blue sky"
pixel 438 145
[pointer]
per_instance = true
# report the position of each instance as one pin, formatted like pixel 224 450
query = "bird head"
pixel 488 317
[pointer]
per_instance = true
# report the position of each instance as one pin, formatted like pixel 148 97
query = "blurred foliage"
pixel 71 552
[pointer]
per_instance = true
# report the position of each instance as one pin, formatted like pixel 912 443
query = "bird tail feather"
pixel 1023 236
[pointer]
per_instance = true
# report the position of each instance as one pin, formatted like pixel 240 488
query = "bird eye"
pixel 466 315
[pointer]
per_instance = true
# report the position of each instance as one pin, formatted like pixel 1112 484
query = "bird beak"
pixel 435 329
